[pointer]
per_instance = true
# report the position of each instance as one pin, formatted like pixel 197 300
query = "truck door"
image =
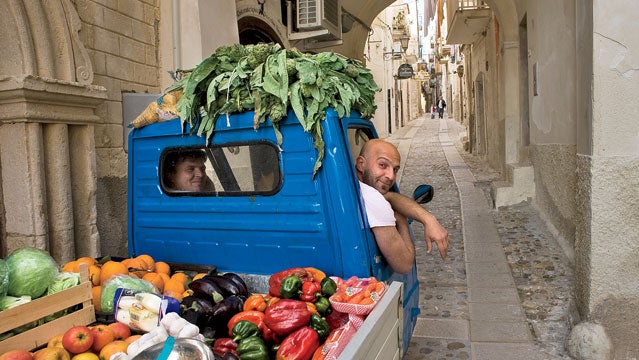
pixel 357 132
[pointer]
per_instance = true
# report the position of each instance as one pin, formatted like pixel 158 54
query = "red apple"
pixel 121 330
pixel 77 339
pixel 17 355
pixel 102 335
pixel 51 353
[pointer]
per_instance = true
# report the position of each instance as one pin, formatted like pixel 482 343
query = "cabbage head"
pixel 63 281
pixel 4 278
pixel 31 271
pixel 125 282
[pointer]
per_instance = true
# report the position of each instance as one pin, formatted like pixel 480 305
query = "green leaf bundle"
pixel 269 80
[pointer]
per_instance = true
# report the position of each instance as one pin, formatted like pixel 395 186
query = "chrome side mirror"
pixel 423 194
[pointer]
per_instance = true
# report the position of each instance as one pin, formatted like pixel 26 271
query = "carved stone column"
pixel 47 161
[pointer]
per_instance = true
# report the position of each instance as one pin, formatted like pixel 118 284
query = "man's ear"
pixel 359 163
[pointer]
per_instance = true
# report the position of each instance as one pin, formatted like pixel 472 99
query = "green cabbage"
pixel 4 278
pixel 8 302
pixel 124 282
pixel 31 271
pixel 63 281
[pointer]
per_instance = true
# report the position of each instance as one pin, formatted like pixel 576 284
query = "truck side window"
pixel 356 139
pixel 221 170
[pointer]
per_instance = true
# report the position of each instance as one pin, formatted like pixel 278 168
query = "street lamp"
pixel 403 42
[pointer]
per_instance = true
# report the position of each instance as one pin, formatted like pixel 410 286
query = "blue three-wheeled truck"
pixel 269 212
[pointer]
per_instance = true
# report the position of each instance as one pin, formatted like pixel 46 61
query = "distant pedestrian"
pixel 433 110
pixel 441 105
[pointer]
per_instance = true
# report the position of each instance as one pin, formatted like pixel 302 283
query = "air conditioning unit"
pixel 323 18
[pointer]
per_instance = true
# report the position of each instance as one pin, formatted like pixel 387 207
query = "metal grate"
pixel 311 13
pixel 307 13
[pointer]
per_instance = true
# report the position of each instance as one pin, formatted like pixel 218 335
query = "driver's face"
pixel 190 175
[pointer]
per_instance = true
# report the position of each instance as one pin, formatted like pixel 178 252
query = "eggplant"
pixel 227 285
pixel 229 356
pixel 205 287
pixel 238 281
pixel 209 332
pixel 225 309
pixel 199 304
pixel 200 319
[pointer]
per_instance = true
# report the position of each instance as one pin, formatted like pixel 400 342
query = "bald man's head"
pixel 378 164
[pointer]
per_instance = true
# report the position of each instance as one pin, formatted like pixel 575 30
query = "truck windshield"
pixel 221 170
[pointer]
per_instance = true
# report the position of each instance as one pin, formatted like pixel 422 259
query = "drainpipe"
pixel 177 44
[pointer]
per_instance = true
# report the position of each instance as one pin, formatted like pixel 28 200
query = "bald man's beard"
pixel 370 180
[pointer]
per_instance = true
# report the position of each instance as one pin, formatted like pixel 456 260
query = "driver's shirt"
pixel 378 209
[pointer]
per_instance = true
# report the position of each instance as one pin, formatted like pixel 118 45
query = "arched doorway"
pixel 253 30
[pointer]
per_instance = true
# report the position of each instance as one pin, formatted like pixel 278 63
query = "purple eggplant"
pixel 225 309
pixel 227 285
pixel 205 287
pixel 238 281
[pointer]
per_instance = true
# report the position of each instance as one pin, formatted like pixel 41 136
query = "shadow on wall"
pixel 111 206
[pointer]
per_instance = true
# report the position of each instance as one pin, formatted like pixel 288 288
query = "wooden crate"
pixel 44 306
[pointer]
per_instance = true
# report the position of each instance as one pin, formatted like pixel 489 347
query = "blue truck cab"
pixel 266 210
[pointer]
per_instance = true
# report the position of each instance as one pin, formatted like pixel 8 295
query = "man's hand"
pixel 435 232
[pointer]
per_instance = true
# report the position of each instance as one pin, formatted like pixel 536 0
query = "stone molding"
pixel 35 99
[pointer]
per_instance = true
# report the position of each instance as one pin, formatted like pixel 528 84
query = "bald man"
pixel 377 166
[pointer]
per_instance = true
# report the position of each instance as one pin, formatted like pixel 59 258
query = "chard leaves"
pixel 269 80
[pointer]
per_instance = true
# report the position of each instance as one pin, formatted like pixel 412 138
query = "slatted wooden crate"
pixel 44 306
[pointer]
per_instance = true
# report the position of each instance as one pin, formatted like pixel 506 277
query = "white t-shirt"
pixel 378 209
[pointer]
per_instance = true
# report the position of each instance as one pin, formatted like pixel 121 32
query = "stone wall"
pixel 122 40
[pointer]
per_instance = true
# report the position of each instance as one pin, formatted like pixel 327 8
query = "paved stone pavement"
pixel 505 289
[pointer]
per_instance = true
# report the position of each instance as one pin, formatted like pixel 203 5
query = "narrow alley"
pixel 505 291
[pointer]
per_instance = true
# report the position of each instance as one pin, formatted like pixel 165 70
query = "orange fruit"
pixel 96 292
pixel 174 288
pixel 71 266
pixel 87 260
pixel 148 261
pixel 111 268
pixel 94 274
pixel 165 277
pixel 162 268
pixel 181 277
pixel 127 262
pixel 155 279
pixel 134 274
pixel 112 348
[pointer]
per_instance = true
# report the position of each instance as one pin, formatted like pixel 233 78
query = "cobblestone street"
pixel 473 304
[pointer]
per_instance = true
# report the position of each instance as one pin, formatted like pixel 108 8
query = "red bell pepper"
pixel 254 316
pixel 222 346
pixel 275 280
pixel 299 345
pixel 311 290
pixel 286 316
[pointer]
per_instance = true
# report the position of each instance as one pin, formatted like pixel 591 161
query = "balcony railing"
pixel 467 20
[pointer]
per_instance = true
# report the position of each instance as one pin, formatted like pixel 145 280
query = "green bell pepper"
pixel 253 348
pixel 244 329
pixel 329 286
pixel 322 305
pixel 320 325
pixel 291 287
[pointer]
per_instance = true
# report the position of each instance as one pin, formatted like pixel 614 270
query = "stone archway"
pixel 253 30
pixel 47 117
